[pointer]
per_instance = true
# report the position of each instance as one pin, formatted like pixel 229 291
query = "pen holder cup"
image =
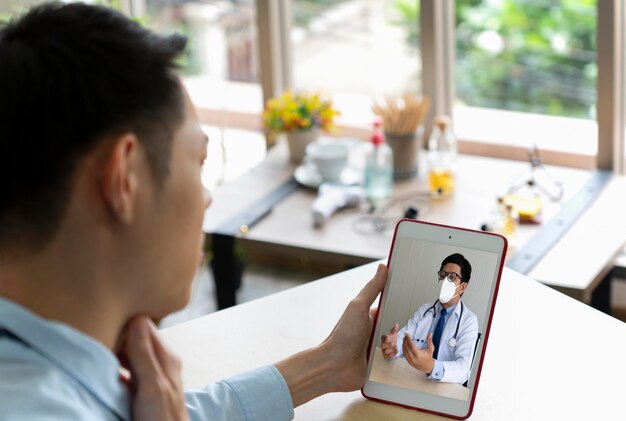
pixel 405 153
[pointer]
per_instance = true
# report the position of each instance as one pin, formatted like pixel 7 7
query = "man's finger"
pixel 389 353
pixel 429 344
pixel 371 290
pixel 394 329
pixel 166 359
pixel 388 345
pixel 409 347
pixel 408 353
pixel 143 363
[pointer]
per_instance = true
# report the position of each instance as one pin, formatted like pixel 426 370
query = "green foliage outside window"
pixel 523 55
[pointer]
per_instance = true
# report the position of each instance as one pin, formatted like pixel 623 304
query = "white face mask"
pixel 447 291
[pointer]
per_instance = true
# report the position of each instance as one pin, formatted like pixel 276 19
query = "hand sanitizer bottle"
pixel 378 166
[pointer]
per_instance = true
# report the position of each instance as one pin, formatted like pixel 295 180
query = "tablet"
pixel 434 315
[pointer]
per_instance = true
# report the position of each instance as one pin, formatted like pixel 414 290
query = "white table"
pixel 398 372
pixel 288 230
pixel 582 259
pixel 548 356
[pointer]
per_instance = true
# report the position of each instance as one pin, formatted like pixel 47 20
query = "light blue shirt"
pixel 51 371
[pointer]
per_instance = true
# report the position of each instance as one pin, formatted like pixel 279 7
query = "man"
pixel 440 338
pixel 100 230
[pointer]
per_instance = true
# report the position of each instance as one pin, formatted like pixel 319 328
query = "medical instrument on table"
pixel 537 179
pixel 381 218
pixel 331 198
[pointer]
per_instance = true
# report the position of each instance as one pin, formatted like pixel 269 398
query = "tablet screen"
pixel 435 313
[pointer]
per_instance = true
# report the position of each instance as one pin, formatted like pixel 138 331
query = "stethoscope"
pixel 452 341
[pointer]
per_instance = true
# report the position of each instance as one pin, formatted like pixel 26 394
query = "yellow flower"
pixel 299 111
pixel 273 103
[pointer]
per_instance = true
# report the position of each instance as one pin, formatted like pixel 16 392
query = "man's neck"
pixel 65 290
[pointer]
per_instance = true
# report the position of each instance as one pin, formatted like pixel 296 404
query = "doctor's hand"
pixel 389 343
pixel 422 359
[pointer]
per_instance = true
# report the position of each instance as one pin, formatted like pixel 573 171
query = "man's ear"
pixel 120 178
pixel 463 286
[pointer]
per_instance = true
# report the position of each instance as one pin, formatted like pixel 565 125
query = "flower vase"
pixel 298 141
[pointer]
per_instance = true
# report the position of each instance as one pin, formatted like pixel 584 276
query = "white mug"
pixel 329 158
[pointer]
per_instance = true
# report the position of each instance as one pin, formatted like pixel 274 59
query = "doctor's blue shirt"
pixel 50 371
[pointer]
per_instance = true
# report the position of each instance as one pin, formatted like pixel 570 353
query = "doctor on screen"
pixel 439 339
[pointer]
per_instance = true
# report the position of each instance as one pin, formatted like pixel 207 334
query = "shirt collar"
pixel 449 310
pixel 81 357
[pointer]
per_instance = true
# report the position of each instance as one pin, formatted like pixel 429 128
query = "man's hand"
pixel 340 362
pixel 389 343
pixel 422 359
pixel 155 381
pixel 347 344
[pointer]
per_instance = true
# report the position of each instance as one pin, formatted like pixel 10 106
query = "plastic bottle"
pixel 378 166
pixel 442 153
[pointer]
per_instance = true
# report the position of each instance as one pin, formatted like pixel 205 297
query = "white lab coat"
pixel 456 361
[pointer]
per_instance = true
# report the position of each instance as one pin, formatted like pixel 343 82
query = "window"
pixel 220 69
pixel 359 46
pixel 222 36
pixel 356 50
pixel 10 8
pixel 532 56
pixel 513 73
pixel 221 73
pixel 528 56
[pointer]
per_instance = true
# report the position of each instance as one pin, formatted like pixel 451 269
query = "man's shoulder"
pixel 423 308
pixel 33 388
pixel 419 313
pixel 469 315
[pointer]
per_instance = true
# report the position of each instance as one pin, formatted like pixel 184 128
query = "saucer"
pixel 308 176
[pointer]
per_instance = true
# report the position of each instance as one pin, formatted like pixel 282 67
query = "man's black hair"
pixel 464 264
pixel 71 75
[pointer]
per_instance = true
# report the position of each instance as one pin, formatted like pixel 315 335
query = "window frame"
pixel 610 86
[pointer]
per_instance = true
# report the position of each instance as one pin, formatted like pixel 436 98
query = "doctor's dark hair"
pixel 72 76
pixel 464 264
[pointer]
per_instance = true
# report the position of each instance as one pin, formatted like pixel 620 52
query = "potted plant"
pixel 301 116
